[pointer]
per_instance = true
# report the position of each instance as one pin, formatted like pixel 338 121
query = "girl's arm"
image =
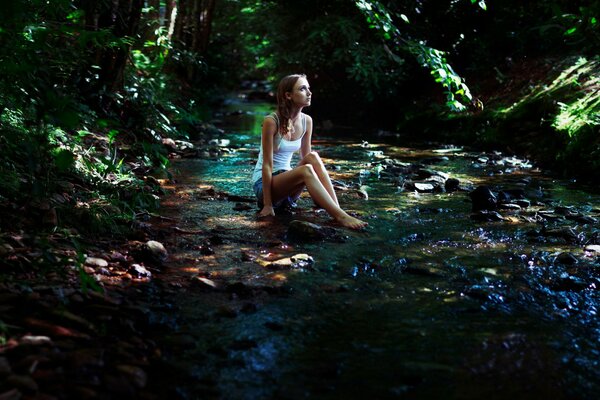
pixel 269 129
pixel 306 148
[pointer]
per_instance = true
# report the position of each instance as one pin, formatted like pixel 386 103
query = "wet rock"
pixel 487 216
pixel 592 248
pixel 566 259
pixel 307 231
pixel 509 206
pixel 479 292
pixel 483 199
pixel 154 252
pixel 301 261
pixel 204 283
pixel 421 187
pixel 452 185
pixel 24 383
pixel 566 233
pixel 510 195
pixel 35 340
pixel 89 270
pixel 582 219
pixel 523 203
pixel 219 142
pixel 169 143
pixel 96 262
pixel 139 271
pixel 183 145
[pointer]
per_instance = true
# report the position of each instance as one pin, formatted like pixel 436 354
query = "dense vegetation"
pixel 89 90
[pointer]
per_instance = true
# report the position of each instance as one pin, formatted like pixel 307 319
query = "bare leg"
pixel 313 159
pixel 285 183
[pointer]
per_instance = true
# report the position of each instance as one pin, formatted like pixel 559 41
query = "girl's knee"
pixel 307 170
pixel 313 157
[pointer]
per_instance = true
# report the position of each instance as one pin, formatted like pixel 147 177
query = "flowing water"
pixel 427 303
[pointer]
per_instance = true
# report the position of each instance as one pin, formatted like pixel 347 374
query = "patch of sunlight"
pixel 566 78
pixel 584 111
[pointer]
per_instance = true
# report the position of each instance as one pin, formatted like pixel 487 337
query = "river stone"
pixel 509 206
pixel 451 185
pixel 483 199
pixel 154 252
pixel 139 271
pixel 524 203
pixel 96 262
pixel 308 231
pixel 302 261
pixel 566 233
pixel 582 219
pixel 487 216
pixel 422 187
pixel 204 283
pixel 35 340
pixel 566 259
pixel 593 248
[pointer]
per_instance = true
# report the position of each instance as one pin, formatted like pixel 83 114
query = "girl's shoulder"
pixel 273 116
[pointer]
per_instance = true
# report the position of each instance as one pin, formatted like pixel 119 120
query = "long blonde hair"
pixel 284 105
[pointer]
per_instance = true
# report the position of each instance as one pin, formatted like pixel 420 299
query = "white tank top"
pixel 282 150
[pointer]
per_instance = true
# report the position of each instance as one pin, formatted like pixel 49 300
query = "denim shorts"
pixel 258 191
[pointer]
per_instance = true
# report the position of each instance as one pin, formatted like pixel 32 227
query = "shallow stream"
pixel 427 303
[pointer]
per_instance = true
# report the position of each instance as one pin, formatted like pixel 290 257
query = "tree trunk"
pixel 191 34
pixel 127 14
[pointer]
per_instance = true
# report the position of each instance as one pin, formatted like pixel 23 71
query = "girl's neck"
pixel 294 113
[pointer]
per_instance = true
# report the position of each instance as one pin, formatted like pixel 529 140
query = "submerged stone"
pixel 487 216
pixel 483 199
pixel 307 231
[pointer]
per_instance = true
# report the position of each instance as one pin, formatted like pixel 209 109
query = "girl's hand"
pixel 266 212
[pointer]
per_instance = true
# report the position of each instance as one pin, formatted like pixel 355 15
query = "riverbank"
pixel 547 110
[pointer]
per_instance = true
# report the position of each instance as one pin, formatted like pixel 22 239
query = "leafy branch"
pixel 379 18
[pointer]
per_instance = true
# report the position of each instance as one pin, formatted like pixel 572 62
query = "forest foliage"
pixel 88 90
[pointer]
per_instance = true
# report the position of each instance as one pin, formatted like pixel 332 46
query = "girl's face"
pixel 301 94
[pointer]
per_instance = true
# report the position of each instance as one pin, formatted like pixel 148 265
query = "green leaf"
pixel 570 31
pixel 404 18
pixel 593 21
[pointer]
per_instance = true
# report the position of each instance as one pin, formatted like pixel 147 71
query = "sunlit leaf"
pixel 570 31
pixel 404 18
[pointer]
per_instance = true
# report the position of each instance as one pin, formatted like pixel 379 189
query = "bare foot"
pixel 351 222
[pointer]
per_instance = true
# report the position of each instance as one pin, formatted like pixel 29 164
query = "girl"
pixel 283 133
